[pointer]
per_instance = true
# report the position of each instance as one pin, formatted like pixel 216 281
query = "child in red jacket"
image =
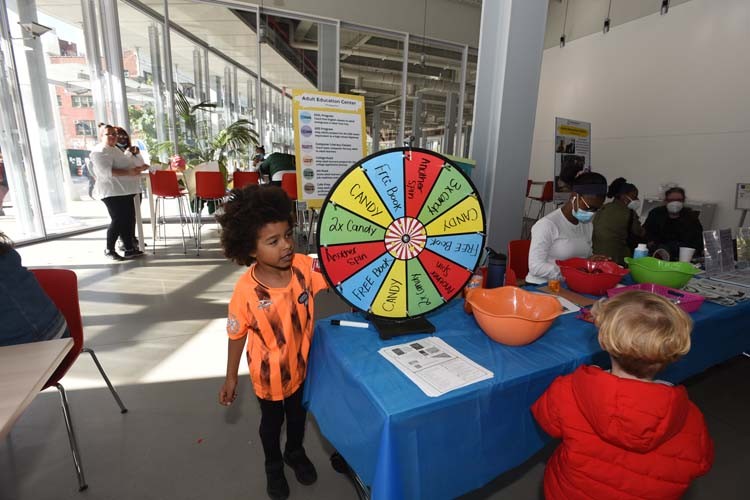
pixel 624 434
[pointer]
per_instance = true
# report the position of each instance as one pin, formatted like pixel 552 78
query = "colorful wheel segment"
pixel 401 233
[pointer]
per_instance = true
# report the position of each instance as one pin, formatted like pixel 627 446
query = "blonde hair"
pixel 642 331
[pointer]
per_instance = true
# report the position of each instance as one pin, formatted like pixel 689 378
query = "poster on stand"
pixel 330 137
pixel 572 153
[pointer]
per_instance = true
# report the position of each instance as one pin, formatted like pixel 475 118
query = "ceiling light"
pixel 606 26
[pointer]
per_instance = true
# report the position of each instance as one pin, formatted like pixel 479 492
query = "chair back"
pixel 518 261
pixel 209 185
pixel 164 184
pixel 289 185
pixel 242 179
pixel 547 191
pixel 61 286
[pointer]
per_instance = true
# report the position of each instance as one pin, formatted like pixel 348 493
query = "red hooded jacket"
pixel 621 438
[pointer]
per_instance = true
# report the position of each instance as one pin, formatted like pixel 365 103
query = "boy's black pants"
pixel 271 420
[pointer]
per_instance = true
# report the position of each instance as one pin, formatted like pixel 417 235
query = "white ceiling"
pixel 216 26
pixel 586 17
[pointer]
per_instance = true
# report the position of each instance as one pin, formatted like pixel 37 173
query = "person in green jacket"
pixel 617 229
pixel 276 165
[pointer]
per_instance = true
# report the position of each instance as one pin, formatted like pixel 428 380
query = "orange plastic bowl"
pixel 608 274
pixel 512 316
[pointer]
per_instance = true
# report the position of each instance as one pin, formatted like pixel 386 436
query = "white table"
pixel 24 369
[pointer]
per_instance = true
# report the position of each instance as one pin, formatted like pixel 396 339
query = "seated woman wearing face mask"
pixel 566 232
pixel 617 229
pixel 674 225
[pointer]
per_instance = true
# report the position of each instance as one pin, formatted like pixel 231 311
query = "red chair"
pixel 518 261
pixel 209 187
pixel 242 179
pixel 61 285
pixel 289 185
pixel 164 186
pixel 546 197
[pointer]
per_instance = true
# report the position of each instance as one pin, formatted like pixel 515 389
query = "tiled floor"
pixel 157 325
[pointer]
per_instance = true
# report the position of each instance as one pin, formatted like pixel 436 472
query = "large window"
pixel 82 101
pixel 86 127
pixel 55 92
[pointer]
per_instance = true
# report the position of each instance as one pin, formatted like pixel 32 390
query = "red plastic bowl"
pixel 591 277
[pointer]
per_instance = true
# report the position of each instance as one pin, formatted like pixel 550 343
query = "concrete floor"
pixel 157 325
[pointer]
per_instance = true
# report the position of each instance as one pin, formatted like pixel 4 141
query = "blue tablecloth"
pixel 407 445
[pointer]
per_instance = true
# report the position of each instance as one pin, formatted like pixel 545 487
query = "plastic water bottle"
pixel 640 251
pixel 474 282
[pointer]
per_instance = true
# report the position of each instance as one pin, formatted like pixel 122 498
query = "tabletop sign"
pixel 401 233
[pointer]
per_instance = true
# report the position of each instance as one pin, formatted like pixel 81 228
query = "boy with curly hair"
pixel 271 311
pixel 624 434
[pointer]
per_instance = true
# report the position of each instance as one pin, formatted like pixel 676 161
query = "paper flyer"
pixel 434 366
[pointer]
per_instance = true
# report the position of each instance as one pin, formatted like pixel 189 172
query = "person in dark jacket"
pixel 673 225
pixel 617 229
pixel 28 314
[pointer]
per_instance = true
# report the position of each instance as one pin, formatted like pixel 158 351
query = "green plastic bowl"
pixel 660 272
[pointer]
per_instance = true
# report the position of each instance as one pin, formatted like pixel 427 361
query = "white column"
pixel 328 55
pixel 510 56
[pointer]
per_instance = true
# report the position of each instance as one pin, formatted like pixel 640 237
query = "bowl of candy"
pixel 512 316
pixel 593 277
pixel 661 272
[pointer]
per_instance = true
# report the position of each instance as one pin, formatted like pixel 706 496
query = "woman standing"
pixel 617 229
pixel 117 182
pixel 566 232
pixel 126 146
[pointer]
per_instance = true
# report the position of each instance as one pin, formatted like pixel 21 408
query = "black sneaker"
pixel 113 255
pixel 132 254
pixel 304 470
pixel 276 485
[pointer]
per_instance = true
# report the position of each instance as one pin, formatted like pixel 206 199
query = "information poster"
pixel 572 153
pixel 330 137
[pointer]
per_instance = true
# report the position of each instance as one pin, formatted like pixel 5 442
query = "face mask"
pixel 674 207
pixel 122 145
pixel 634 205
pixel 582 215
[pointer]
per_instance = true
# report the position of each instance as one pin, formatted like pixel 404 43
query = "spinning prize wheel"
pixel 400 234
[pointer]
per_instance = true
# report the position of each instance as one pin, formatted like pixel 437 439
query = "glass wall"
pixel 371 65
pixel 53 93
pixel 145 80
pixel 57 106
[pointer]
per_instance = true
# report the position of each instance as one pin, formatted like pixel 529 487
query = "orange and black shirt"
pixel 278 323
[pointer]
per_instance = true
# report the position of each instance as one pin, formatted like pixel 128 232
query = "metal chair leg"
pixel 182 224
pixel 156 222
pixel 72 438
pixel 198 227
pixel 106 379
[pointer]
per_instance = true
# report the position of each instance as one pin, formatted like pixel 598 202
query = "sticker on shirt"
pixel 303 298
pixel 264 304
pixel 233 326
